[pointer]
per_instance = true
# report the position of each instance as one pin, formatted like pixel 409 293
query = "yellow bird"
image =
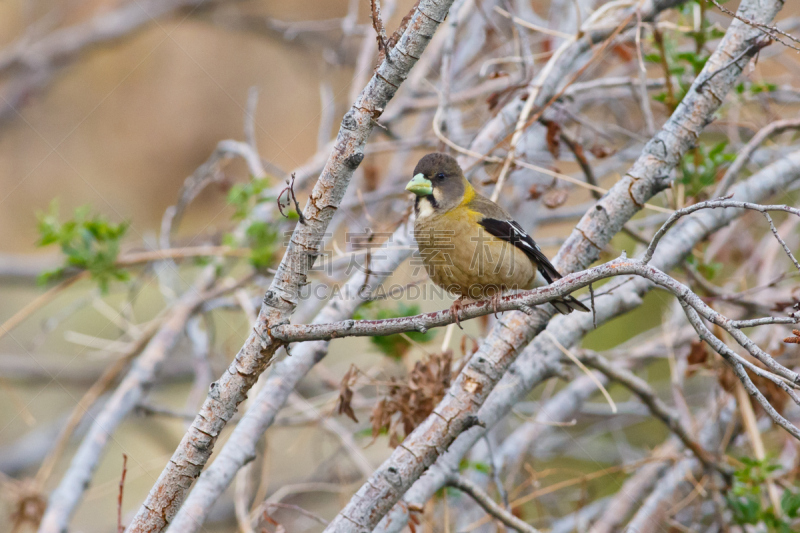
pixel 468 244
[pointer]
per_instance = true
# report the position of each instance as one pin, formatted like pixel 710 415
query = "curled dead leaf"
pixel 407 403
pixel 534 193
pixel 600 151
pixel 555 198
pixel 553 141
pixel 795 339
pixel 698 355
pixel 343 403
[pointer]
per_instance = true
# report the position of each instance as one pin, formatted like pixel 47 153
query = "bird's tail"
pixel 568 304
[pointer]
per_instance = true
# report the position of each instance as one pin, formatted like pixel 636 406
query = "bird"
pixel 469 245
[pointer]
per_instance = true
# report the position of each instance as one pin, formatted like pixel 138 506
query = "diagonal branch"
pixel 280 300
pixel 659 409
pixel 67 496
pixel 649 175
pixel 541 359
pixel 285 376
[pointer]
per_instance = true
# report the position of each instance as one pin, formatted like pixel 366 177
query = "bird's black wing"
pixel 510 231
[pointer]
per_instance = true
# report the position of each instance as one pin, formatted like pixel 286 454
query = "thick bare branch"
pixel 67 496
pixel 285 375
pixel 281 299
pixel 541 359
pixel 651 173
pixel 678 480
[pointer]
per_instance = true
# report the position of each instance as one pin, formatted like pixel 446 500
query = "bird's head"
pixel 438 183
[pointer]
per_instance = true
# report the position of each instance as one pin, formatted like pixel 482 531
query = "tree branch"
pixel 489 505
pixel 65 498
pixel 281 299
pixel 659 409
pixel 649 175
pixel 541 358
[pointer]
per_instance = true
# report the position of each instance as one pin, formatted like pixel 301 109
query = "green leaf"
pixel 88 241
pixel 746 510
pixel 701 166
pixel 478 466
pixel 394 345
pixel 790 504
pixel 245 196
pixel 262 238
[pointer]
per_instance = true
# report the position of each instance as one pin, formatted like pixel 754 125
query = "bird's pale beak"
pixel 420 186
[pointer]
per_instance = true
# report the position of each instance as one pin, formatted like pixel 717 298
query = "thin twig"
pixel 572 357
pixel 290 197
pixel 771 31
pixel 744 155
pixel 120 528
pixel 725 203
pixel 490 506
pixel 661 411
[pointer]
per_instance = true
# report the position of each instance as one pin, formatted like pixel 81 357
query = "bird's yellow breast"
pixel 462 257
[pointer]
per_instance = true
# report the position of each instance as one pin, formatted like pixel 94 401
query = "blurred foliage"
pixel 678 60
pixel 393 345
pixel 260 237
pixel 245 196
pixel 755 88
pixel 478 466
pixel 701 166
pixel 89 242
pixel 709 270
pixel 748 492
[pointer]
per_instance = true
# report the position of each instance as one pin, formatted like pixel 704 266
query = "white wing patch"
pixel 523 239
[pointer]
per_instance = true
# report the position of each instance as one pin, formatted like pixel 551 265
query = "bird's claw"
pixel 495 302
pixel 454 309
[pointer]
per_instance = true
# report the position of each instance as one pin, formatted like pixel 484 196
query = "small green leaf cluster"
pixel 701 166
pixel 745 498
pixel 393 345
pixel 261 237
pixel 680 62
pixel 708 270
pixel 756 87
pixel 245 196
pixel 89 241
pixel 478 466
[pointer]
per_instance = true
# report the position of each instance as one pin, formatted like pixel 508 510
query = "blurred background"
pixel 114 104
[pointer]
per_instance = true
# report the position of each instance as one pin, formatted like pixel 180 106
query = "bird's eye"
pixel 440 176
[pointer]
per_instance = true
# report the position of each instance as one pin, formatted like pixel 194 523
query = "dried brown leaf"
pixel 553 142
pixel 371 177
pixel 600 151
pixel 795 339
pixel 407 403
pixel 493 99
pixel 698 355
pixel 624 51
pixel 555 198
pixel 27 504
pixel 772 392
pixel 343 406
